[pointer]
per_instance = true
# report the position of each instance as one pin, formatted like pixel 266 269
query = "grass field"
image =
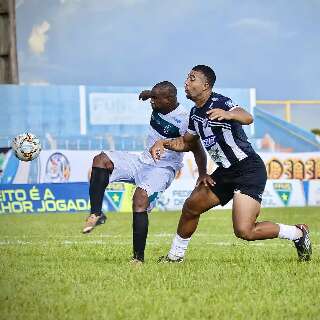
pixel 51 271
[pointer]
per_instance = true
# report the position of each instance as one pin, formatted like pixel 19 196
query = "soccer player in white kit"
pixel 169 120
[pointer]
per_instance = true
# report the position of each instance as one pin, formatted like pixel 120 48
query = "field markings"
pixel 67 242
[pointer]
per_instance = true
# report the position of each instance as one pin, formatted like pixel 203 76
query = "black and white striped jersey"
pixel 225 140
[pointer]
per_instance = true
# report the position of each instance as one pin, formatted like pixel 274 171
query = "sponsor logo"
pixel 215 155
pixel 294 168
pixel 177 120
pixel 163 127
pixel 284 191
pixel 57 168
pixel 166 129
pixel 208 142
pixel 229 104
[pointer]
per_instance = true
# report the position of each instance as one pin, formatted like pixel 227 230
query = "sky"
pixel 272 46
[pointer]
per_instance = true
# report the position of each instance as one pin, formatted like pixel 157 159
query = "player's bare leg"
pixel 244 214
pixel 102 167
pixel 140 224
pixel 245 211
pixel 201 200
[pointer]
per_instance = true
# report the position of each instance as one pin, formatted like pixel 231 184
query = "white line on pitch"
pixel 101 242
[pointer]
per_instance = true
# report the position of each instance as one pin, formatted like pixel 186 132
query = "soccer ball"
pixel 26 146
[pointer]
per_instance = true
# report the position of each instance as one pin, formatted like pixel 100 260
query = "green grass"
pixel 48 270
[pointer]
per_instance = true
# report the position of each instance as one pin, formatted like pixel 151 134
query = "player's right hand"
pixel 206 179
pixel 157 150
pixel 145 95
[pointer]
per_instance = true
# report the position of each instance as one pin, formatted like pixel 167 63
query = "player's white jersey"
pixel 166 126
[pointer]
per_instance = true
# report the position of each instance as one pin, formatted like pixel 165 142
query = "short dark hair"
pixel 207 72
pixel 169 86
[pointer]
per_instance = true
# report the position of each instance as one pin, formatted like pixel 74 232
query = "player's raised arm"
pixel 236 114
pixel 180 144
pixel 145 95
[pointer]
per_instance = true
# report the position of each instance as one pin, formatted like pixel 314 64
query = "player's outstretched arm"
pixel 145 95
pixel 181 144
pixel 236 114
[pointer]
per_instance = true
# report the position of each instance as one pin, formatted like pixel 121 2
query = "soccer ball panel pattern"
pixel 26 146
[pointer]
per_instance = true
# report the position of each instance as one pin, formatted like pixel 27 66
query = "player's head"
pixel 200 80
pixel 164 97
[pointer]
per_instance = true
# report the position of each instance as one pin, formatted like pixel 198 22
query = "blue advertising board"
pixel 43 198
pixel 61 197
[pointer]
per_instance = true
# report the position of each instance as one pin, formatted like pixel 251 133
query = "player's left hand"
pixel 219 114
pixel 206 179
pixel 157 150
pixel 145 95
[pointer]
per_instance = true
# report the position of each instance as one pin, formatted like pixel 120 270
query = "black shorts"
pixel 248 176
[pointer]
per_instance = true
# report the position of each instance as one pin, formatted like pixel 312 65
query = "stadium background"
pixel 79 67
pixel 257 46
pixel 75 123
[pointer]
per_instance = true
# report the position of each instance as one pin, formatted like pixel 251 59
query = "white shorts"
pixel 129 168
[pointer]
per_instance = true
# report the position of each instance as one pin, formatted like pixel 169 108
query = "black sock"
pixel 98 183
pixel 140 232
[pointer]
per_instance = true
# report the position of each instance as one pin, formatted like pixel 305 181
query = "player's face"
pixel 160 101
pixel 195 84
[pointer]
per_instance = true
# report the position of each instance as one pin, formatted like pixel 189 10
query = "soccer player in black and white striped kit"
pixel 241 174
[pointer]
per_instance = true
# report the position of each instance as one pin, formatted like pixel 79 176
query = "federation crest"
pixel 113 197
pixel 284 191
pixel 113 200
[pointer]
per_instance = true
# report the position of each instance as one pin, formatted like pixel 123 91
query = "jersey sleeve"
pixel 229 105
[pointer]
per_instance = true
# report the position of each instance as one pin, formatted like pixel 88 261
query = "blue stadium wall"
pixel 56 110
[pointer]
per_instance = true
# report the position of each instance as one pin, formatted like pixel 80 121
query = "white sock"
pixel 289 232
pixel 178 247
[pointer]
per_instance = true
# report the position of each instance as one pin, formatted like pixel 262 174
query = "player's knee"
pixel 140 202
pixel 102 161
pixel 244 233
pixel 190 207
